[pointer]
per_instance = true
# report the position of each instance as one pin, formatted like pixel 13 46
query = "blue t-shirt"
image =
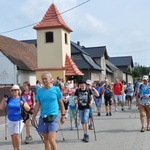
pixel 144 90
pixel 48 99
pixel 71 99
pixel 130 90
pixel 99 89
pixel 14 108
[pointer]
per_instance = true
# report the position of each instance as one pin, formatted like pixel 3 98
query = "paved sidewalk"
pixel 116 132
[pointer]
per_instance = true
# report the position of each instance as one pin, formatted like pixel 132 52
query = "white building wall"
pixel 10 75
pixel 95 76
pixel 27 76
pixel 8 70
pixel 103 65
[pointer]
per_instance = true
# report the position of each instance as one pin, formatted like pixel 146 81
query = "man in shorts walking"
pixel 48 101
pixel 118 90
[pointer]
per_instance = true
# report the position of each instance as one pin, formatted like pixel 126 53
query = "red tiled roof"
pixel 71 68
pixel 52 19
pixel 19 53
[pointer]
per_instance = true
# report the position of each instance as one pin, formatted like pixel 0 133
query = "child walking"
pixel 72 108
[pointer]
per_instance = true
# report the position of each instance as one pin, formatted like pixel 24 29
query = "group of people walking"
pixel 55 103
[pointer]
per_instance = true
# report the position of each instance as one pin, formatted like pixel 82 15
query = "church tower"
pixel 53 44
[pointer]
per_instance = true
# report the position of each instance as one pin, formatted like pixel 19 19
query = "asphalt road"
pixel 117 132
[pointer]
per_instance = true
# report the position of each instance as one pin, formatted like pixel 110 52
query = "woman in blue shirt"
pixel 14 119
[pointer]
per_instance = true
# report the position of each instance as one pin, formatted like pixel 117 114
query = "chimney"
pixel 78 43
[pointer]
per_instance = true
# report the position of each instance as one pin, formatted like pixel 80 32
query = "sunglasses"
pixel 14 90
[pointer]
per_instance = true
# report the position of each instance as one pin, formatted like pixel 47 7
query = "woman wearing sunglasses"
pixel 14 119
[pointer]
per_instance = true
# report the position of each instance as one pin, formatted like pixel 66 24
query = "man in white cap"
pixel 144 103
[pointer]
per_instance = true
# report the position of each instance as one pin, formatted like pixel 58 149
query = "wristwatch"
pixel 62 114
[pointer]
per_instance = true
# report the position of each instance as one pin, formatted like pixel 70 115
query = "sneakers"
pixel 116 109
pixel 98 114
pixel 28 139
pixel 108 114
pixel 123 109
pixel 142 129
pixel 90 127
pixel 148 128
pixel 71 128
pixel 85 138
pixel 76 124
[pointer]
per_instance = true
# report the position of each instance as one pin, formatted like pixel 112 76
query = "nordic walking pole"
pixel 36 127
pixel 5 115
pixel 77 120
pixel 61 132
pixel 5 126
pixel 93 126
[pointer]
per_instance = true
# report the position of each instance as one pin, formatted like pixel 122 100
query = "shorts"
pixel 72 114
pixel 98 102
pixel 129 97
pixel 84 116
pixel 47 127
pixel 118 97
pixel 123 97
pixel 15 126
pixel 108 102
pixel 144 110
pixel 66 104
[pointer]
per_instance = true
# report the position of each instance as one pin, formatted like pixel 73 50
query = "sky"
pixel 123 26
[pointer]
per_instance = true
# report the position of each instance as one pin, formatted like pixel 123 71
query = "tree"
pixel 139 71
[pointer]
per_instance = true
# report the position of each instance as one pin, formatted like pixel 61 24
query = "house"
pixel 18 62
pixel 85 63
pixel 125 64
pixel 100 63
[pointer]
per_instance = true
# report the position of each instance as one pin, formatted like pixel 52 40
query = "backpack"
pixel 31 96
pixel 24 114
pixel 107 92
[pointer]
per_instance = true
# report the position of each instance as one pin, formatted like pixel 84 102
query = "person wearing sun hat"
pixel 143 103
pixel 14 120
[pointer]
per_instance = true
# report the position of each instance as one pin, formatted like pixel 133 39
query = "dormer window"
pixel 49 37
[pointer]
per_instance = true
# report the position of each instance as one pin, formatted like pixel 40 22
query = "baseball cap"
pixel 82 81
pixel 89 82
pixel 145 77
pixel 15 87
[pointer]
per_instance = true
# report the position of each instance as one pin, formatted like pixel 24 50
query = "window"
pixel 66 40
pixel 49 37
